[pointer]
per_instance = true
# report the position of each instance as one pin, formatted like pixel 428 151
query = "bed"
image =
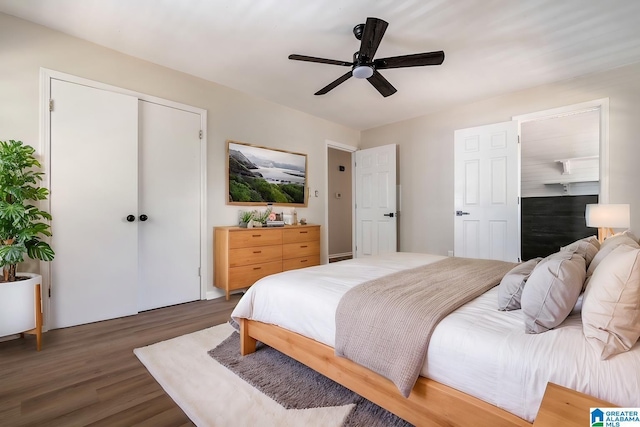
pixel 481 368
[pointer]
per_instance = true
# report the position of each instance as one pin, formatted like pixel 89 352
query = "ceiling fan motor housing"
pixel 358 30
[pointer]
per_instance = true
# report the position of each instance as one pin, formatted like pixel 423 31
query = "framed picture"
pixel 260 175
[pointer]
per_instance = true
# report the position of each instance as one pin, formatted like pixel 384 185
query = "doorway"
pixel 563 160
pixel 339 204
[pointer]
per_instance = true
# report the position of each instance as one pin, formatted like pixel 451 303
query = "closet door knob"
pixel 143 217
pixel 131 218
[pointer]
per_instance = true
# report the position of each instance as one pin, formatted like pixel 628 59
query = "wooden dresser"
pixel 243 255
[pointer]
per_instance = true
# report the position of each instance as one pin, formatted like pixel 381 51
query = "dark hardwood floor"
pixel 88 375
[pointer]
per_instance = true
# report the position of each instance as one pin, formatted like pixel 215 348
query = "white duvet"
pixel 476 349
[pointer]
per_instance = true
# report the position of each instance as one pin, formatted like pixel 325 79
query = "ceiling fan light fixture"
pixel 362 72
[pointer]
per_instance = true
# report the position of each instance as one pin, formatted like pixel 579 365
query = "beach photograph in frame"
pixel 259 175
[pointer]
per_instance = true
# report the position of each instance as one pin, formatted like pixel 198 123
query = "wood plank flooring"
pixel 88 375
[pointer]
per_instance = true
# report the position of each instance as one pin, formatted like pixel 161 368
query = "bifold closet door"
pixel 169 199
pixel 94 174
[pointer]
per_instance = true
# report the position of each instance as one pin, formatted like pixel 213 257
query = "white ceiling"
pixel 492 46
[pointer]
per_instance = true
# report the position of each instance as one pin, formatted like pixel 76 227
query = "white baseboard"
pixel 331 256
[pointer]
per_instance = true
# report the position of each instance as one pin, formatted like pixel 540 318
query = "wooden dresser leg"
pixel 247 343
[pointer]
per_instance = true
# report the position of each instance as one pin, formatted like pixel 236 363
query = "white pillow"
pixel 611 306
pixel 552 291
pixel 609 244
pixel 511 285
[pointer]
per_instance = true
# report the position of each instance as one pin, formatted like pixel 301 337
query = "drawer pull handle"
pixel 303 246
pixel 256 235
pixel 257 252
pixel 303 232
pixel 257 268
pixel 303 260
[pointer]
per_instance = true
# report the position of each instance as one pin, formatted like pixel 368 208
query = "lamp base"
pixel 604 232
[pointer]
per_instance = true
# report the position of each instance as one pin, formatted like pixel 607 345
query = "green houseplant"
pixel 21 222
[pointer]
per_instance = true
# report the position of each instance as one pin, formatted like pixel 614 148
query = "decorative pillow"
pixel 552 291
pixel 609 244
pixel 511 285
pixel 587 248
pixel 611 306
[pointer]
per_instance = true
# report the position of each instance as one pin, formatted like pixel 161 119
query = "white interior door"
pixel 376 213
pixel 169 239
pixel 487 189
pixel 94 167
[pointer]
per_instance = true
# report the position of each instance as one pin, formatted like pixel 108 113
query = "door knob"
pixel 143 217
pixel 460 213
pixel 390 215
pixel 131 218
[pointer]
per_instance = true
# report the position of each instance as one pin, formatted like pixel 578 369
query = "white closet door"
pixel 170 198
pixel 94 164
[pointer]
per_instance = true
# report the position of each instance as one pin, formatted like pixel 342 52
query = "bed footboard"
pixel 430 403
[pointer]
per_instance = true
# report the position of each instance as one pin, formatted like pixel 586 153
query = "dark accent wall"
pixel 551 222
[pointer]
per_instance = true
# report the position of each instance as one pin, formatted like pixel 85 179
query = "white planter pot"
pixel 17 304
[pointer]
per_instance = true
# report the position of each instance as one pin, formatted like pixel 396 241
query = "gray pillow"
pixel 587 248
pixel 552 291
pixel 511 285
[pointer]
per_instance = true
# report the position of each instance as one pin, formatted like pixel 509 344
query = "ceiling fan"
pixel 365 67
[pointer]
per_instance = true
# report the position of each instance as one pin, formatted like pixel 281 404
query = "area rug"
pixel 215 386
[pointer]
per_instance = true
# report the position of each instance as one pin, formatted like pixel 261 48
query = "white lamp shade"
pixel 609 216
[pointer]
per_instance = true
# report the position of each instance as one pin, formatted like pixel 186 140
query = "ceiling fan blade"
pixel 381 84
pixel 415 60
pixel 320 60
pixel 374 29
pixel 334 83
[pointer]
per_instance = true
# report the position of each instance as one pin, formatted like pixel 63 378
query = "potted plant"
pixel 245 218
pixel 262 216
pixel 22 224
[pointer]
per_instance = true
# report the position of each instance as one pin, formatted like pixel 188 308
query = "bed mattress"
pixel 477 349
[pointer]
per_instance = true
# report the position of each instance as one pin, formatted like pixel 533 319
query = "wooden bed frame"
pixel 430 403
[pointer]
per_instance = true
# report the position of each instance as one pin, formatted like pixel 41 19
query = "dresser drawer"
pixel 301 234
pixel 254 237
pixel 302 262
pixel 242 277
pixel 296 250
pixel 255 255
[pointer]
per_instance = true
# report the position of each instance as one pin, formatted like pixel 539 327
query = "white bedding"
pixel 476 349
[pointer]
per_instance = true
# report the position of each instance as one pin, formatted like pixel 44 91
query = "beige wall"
pixel 426 149
pixel 25 47
pixel 340 230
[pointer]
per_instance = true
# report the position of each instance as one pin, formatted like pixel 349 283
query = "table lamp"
pixel 607 217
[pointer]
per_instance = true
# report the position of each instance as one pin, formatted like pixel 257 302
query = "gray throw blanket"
pixel 385 324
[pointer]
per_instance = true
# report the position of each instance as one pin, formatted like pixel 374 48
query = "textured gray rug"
pixel 295 386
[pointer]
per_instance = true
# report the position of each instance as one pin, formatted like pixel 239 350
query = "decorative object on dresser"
pixel 244 255
pixel 21 226
pixel 245 218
